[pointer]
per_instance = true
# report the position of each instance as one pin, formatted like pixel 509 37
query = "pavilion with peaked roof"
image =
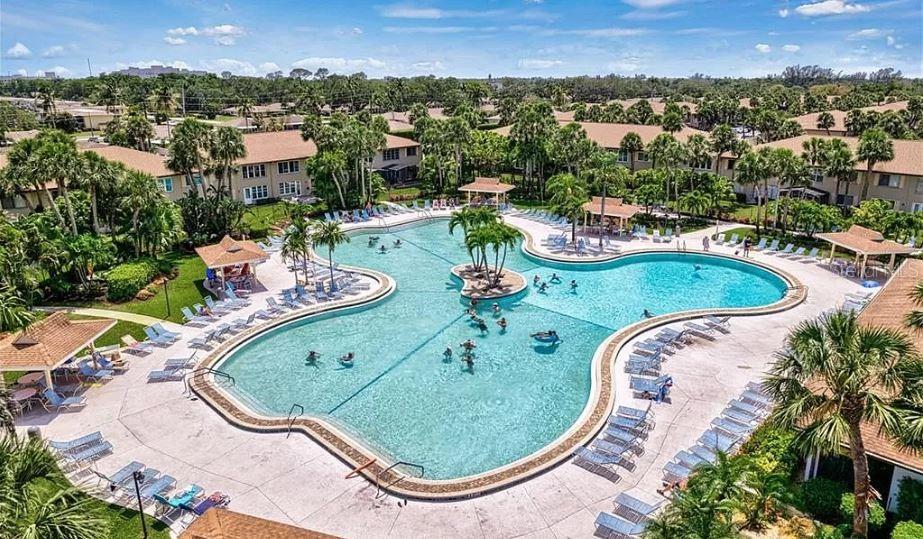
pixel 613 208
pixel 232 260
pixel 49 343
pixel 865 242
pixel 489 186
pixel 218 523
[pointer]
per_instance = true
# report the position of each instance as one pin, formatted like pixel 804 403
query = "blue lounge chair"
pixel 87 372
pixel 611 526
pixel 110 365
pixel 158 486
pixel 233 298
pixel 89 452
pixel 761 245
pixel 674 472
pixel 202 340
pixel 319 292
pixel 165 375
pixel 611 448
pixel 122 476
pixel 634 509
pixel 628 423
pixel 155 338
pixel 735 239
pixel 598 463
pixel 302 294
pixel 732 427
pixel 622 436
pixel 219 308
pixel 636 413
pixel 722 441
pixel 77 443
pixel 57 402
pixel 181 500
pixel 273 307
pixel 190 318
pixel 241 323
pixel 773 247
pixel 158 327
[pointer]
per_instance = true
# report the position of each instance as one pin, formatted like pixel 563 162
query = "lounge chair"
pixel 643 365
pixel 55 401
pixel 122 476
pixel 612 448
pixel 273 307
pixel 719 323
pixel 319 292
pixel 286 299
pixel 135 347
pixel 732 427
pixel 761 245
pixel 689 460
pixel 720 239
pixel 88 452
pixel 180 500
pixel 799 252
pixel 668 235
pixel 634 509
pixel 158 327
pixel 674 472
pixel 787 250
pixel 241 323
pixel 753 409
pixel 190 318
pixel 719 440
pixel 700 331
pixel 652 388
pixel 598 463
pixel 812 255
pixel 735 239
pixel 202 340
pixel 180 362
pixel 740 416
pixel 231 296
pixel 115 366
pixel 637 413
pixel 155 338
pixel 628 423
pixel 165 375
pixel 756 397
pixel 773 247
pixel 656 236
pixel 615 527
pixel 158 486
pixel 219 308
pixel 623 436
pixel 77 443
pixel 87 372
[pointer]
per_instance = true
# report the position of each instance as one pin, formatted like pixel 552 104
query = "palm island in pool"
pixel 405 400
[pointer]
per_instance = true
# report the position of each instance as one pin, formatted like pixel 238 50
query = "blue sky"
pixel 463 38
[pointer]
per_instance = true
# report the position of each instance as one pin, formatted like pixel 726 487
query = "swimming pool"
pixel 406 402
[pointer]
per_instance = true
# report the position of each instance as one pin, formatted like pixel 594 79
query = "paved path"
pixel 142 319
pixel 296 481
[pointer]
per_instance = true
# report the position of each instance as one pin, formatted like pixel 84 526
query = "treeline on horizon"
pixel 209 95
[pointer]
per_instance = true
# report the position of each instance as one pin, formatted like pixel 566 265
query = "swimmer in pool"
pixel 447 354
pixel 382 249
pixel 555 278
pixel 543 287
pixel 502 323
pixel 536 280
pixel 496 308
pixel 647 314
pixel 573 285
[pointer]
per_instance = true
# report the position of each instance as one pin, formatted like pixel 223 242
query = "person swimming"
pixel 397 242
pixel 312 357
pixel 447 353
pixel 468 359
pixel 348 358
pixel 573 284
pixel 555 278
pixel 547 336
pixel 647 314
pixel 697 267
pixel 482 326
pixel 502 323
pixel 382 249
pixel 543 287
pixel 536 280
pixel 496 308
pixel 469 345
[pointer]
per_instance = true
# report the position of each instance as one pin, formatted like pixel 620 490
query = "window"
pixel 642 156
pixel 289 167
pixel 289 188
pixel 889 180
pixel 257 192
pixel 845 200
pixel 411 151
pixel 623 156
pixel 919 187
pixel 166 184
pixel 817 176
pixel 731 164
pixel 253 171
pixel 391 155
pixel 917 206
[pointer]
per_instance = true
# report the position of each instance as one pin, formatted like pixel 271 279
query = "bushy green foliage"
pixel 772 449
pixel 125 280
pixel 876 511
pixel 907 530
pixel 822 498
pixel 910 500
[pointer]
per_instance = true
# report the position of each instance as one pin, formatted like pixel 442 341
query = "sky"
pixel 473 38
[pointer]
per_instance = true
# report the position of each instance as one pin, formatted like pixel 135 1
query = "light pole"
pixel 166 294
pixel 137 477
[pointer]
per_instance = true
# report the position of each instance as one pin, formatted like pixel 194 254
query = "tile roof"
pixel 229 251
pixel 614 207
pixel 908 154
pixel 610 135
pixel 865 241
pixel 809 121
pixel 48 342
pixel 225 524
pixel 276 146
pixel 150 163
pixel 487 185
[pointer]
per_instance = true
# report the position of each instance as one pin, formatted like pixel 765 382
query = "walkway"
pixel 295 481
pixel 142 319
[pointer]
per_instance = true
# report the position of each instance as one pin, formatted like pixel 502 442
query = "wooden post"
pixel 49 383
pixel 832 250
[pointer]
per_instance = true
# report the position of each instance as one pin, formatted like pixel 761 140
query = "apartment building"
pixel 808 122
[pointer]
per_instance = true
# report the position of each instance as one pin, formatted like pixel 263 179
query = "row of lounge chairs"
pixel 854 301
pixel 545 217
pixel 641 232
pixel 629 518
pixel 738 420
pixel 772 248
pixel 621 439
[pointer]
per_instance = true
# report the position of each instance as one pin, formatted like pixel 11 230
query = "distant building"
pixel 49 75
pixel 155 70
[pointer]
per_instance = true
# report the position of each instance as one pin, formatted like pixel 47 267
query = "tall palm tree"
pixel 330 235
pixel 606 176
pixel 632 144
pixel 698 151
pixel 568 194
pixel 825 121
pixel 296 244
pixel 45 100
pixel 839 163
pixel 504 237
pixel 874 147
pixel 98 175
pixel 227 146
pixel 139 131
pixel 752 169
pixel 57 160
pixel 164 101
pixel 331 165
pixel 722 139
pixel 836 374
pixel 140 192
pixel 188 150
pixel 245 109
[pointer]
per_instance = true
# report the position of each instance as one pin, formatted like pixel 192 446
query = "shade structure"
pixel 49 343
pixel 865 242
pixel 233 259
pixel 219 523
pixel 614 207
pixel 490 186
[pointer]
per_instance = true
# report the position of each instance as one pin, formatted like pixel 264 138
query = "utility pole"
pixel 90 69
pixel 183 88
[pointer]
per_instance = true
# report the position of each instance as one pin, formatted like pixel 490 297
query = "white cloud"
pixel 407 11
pixel 643 15
pixel 867 33
pixel 830 7
pixel 53 52
pixel 269 67
pixel 237 67
pixel 428 66
pixel 763 48
pixel 61 71
pixel 22 72
pixel 18 52
pixel 600 32
pixel 783 13
pixel 339 64
pixel 429 29
pixel 170 40
pixel 178 64
pixel 791 48
pixel 224 34
pixel 188 31
pixel 647 4
pixel 534 63
pixel 356 31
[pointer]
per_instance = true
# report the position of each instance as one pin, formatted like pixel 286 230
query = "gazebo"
pixel 49 343
pixel 865 243
pixel 232 260
pixel 490 186
pixel 614 208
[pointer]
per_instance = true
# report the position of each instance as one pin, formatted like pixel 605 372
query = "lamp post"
pixel 137 477
pixel 166 294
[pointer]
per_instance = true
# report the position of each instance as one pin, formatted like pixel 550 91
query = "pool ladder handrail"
pixel 389 468
pixel 291 418
pixel 206 370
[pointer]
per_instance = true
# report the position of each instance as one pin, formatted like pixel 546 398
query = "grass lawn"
pixel 258 219
pixel 400 192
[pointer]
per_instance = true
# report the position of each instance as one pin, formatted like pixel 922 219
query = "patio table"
pixel 24 396
pixel 31 378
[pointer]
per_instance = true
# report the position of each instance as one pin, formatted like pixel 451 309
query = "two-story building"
pixel 808 122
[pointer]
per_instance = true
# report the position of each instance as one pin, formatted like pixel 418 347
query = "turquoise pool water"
pixel 404 400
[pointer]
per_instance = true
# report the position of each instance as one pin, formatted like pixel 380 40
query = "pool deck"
pixel 295 480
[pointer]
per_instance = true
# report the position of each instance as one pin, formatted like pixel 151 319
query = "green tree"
pixel 874 147
pixel 567 196
pixel 722 139
pixel 188 152
pixel 226 147
pixel 836 373
pixel 632 144
pixel 329 235
pixel 825 121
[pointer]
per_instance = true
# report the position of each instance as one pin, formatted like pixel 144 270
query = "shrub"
pixel 907 530
pixel 125 280
pixel 772 450
pixel 822 498
pixel 910 500
pixel 876 511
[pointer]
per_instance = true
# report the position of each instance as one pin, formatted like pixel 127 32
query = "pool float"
pixel 545 337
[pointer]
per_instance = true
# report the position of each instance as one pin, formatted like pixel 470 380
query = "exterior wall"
pixel 173 187
pixel 899 473
pixel 271 180
pixel 403 160
pixel 96 121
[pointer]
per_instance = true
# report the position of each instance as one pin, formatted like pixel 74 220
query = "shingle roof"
pixel 48 342
pixel 147 162
pixel 865 241
pixel 224 524
pixel 285 145
pixel 610 135
pixel 487 185
pixel 614 207
pixel 908 154
pixel 229 251
pixel 809 121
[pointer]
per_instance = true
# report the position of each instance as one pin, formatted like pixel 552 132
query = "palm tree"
pixel 98 175
pixel 825 121
pixel 139 131
pixel 140 192
pixel 695 202
pixel 331 165
pixel 504 237
pixel 227 146
pixel 469 219
pixel 722 139
pixel 836 374
pixel 297 244
pixel 164 101
pixel 188 149
pixel 245 109
pixel 632 144
pixel 45 100
pixel 839 163
pixel 14 313
pixel 672 122
pixel 57 160
pixel 874 147
pixel 606 173
pixel 752 169
pixel 329 234
pixel 568 194
pixel 698 151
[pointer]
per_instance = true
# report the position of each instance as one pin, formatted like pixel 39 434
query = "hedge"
pixel 822 498
pixel 910 500
pixel 907 530
pixel 876 513
pixel 125 280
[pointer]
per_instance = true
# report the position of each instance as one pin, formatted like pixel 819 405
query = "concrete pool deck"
pixel 296 481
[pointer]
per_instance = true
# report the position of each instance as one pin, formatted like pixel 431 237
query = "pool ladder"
pixel 292 416
pixel 206 370
pixel 392 483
